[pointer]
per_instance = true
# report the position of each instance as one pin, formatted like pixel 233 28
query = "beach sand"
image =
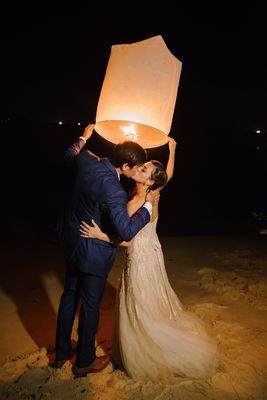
pixel 222 279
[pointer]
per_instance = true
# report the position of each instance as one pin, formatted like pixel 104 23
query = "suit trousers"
pixel 88 288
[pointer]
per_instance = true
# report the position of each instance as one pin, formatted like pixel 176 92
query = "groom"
pixel 97 194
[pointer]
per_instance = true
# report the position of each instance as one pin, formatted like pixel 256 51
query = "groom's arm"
pixel 74 150
pixel 116 206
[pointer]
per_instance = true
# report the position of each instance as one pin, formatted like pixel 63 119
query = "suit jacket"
pixel 97 194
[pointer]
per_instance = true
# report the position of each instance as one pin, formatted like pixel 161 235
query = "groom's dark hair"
pixel 128 152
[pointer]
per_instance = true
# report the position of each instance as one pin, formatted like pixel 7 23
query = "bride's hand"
pixel 88 231
pixel 172 144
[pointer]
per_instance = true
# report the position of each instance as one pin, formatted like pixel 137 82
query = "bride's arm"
pixel 94 232
pixel 171 160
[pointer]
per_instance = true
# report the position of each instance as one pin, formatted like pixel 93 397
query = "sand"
pixel 222 279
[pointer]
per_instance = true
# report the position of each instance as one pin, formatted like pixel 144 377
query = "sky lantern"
pixel 138 94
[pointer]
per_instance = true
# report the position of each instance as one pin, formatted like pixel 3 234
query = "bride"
pixel 154 337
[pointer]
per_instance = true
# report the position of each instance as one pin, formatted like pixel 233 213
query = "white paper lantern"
pixel 138 95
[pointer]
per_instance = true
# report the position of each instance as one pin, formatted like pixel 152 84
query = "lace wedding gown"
pixel 153 336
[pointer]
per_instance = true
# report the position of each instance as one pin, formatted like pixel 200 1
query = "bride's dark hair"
pixel 158 175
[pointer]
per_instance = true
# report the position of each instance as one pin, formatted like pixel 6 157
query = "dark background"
pixel 53 63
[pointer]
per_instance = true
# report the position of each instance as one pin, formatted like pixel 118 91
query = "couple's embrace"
pixel 153 337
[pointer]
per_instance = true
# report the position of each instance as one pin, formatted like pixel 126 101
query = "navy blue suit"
pixel 97 194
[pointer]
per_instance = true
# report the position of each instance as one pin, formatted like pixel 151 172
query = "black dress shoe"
pixel 58 363
pixel 97 365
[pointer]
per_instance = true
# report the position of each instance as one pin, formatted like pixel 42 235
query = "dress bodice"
pixel 146 237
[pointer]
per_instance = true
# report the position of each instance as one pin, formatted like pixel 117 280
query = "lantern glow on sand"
pixel 138 95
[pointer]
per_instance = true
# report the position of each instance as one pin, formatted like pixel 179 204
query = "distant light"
pixel 79 123
pixel 258 131
pixel 258 147
pixel 60 123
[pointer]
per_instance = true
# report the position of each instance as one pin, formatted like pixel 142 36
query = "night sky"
pixel 52 67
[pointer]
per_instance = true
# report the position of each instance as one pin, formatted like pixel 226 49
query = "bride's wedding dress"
pixel 154 336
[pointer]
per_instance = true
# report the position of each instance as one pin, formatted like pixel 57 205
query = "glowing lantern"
pixel 138 95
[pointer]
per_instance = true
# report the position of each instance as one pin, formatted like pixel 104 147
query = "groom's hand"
pixel 88 131
pixel 153 197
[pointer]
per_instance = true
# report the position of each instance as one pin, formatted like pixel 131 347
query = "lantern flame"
pixel 129 131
